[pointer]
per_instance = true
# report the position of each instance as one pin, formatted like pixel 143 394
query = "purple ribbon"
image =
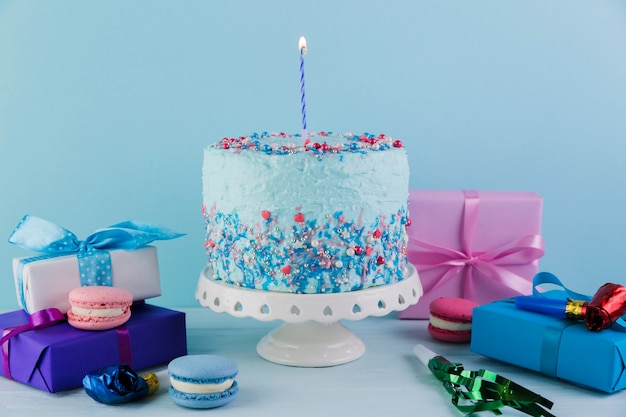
pixel 123 345
pixel 492 263
pixel 38 320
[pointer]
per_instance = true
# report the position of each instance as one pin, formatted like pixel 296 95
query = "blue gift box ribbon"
pixel 561 292
pixel 94 260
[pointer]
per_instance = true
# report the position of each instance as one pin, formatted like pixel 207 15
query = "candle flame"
pixel 302 45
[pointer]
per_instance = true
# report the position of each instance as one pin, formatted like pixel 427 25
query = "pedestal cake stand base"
pixel 311 335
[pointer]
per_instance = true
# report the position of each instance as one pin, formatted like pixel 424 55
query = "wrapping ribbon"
pixel 123 345
pixel 547 285
pixel 39 320
pixel 482 390
pixel 94 261
pixel 492 263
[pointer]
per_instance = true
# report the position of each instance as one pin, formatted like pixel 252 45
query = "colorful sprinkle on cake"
pixel 278 220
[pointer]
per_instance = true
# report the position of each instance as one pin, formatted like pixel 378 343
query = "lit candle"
pixel 303 50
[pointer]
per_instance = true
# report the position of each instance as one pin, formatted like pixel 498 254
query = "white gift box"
pixel 47 283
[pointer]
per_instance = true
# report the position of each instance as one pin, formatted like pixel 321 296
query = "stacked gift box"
pixel 45 351
pixel 485 246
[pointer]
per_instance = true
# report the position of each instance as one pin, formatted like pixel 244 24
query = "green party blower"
pixel 474 391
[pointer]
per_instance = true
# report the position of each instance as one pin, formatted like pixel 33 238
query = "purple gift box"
pixel 56 358
pixel 479 245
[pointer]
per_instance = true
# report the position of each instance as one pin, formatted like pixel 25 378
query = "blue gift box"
pixel 561 348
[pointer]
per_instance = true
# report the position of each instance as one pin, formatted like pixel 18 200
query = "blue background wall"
pixel 106 106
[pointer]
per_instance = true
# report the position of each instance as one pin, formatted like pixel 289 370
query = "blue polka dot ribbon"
pixel 94 260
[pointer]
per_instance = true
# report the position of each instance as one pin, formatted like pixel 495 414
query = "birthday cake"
pixel 323 215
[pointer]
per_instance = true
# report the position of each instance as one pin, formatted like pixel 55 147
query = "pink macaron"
pixel 99 308
pixel 451 319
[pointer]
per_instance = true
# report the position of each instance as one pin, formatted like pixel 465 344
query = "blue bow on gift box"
pixel 94 261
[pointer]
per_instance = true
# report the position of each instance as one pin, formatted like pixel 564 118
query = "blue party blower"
pixel 550 306
pixel 601 312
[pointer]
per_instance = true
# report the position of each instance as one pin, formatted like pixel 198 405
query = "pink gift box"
pixel 479 245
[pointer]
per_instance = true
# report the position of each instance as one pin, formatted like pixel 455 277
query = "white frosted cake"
pixel 324 215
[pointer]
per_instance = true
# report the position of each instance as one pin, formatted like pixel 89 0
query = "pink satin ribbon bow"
pixel 492 263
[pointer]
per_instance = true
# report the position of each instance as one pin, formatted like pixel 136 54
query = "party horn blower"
pixel 119 384
pixel 474 391
pixel 606 306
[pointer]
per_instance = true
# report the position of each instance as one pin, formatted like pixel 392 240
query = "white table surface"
pixel 386 381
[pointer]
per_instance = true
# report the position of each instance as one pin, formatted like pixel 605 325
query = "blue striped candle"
pixel 303 50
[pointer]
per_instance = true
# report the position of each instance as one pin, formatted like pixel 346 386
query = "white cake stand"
pixel 311 335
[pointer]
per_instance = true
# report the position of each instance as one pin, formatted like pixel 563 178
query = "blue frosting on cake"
pixel 323 214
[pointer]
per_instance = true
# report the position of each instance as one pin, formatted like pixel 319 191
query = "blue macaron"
pixel 203 381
